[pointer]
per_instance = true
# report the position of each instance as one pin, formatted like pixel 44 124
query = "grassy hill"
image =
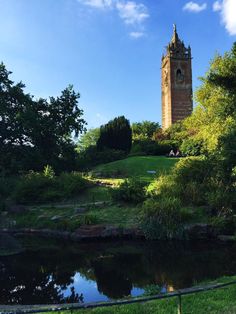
pixel 135 166
pixel 63 215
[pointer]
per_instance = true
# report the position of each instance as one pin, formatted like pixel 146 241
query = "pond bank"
pixel 196 231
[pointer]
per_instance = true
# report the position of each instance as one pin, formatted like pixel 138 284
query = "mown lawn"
pixel 219 301
pixel 135 166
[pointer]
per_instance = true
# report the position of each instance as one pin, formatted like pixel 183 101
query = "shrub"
pixel 48 172
pixel 191 169
pixel 89 219
pixel 71 184
pixel 130 191
pixel 162 219
pixel 219 197
pixel 224 225
pixel 34 187
pixel 165 186
pixel 92 157
pixel 151 290
pixel 38 187
pixel 149 147
pixel 191 147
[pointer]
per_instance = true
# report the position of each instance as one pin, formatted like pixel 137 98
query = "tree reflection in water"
pixel 45 270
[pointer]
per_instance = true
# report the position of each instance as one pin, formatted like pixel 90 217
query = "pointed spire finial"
pixel 175 29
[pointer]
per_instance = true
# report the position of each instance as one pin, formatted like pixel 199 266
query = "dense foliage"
pixel 91 157
pixel 210 179
pixel 88 139
pixel 45 186
pixel 116 134
pixel 34 133
pixel 144 130
pixel 131 191
pixel 150 147
pixel 162 219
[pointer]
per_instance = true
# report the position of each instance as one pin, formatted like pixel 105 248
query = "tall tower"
pixel 176 72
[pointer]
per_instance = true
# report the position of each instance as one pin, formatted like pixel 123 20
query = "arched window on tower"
pixel 179 76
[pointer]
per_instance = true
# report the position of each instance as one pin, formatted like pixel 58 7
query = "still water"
pixel 35 270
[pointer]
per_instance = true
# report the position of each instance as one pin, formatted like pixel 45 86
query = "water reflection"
pixel 54 272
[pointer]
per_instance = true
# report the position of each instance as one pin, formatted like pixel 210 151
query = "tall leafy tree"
pixel 215 114
pixel 145 130
pixel 88 139
pixel 34 133
pixel 116 134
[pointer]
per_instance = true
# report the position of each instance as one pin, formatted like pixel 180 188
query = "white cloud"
pixel 217 6
pixel 132 12
pixel 98 3
pixel 227 10
pixel 136 35
pixel 194 7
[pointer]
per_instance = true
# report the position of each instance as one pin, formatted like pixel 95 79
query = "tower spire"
pixel 175 36
pixel 174 27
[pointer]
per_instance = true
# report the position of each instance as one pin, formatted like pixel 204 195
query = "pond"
pixel 38 271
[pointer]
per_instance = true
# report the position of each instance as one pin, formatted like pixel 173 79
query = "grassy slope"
pixel 136 166
pixel 221 301
pixel 116 214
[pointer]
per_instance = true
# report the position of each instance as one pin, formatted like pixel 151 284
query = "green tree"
pixel 116 134
pixel 215 114
pixel 144 130
pixel 35 133
pixel 88 139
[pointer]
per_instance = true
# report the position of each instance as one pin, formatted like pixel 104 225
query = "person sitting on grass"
pixel 171 153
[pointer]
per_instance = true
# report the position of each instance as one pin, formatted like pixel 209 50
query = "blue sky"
pixel 110 50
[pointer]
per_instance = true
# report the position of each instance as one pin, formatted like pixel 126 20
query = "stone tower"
pixel 176 72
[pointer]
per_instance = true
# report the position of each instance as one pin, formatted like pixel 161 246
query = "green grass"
pixel 97 212
pixel 119 215
pixel 94 194
pixel 219 301
pixel 135 166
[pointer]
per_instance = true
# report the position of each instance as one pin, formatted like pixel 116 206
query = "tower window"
pixel 179 76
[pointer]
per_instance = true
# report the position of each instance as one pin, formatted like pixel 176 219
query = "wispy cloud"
pixel 136 35
pixel 216 6
pixel 132 12
pixel 227 9
pixel 194 7
pixel 101 4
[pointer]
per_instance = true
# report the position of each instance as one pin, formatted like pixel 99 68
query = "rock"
pixel 56 218
pixel 151 172
pixel 200 231
pixel 226 238
pixel 17 209
pixel 106 231
pixel 9 245
pixel 80 210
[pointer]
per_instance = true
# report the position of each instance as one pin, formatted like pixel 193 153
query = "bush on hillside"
pixel 130 191
pixel 224 225
pixel 116 134
pixel 149 147
pixel 162 219
pixel 164 186
pixel 191 147
pixel 92 157
pixel 37 187
pixel 188 182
